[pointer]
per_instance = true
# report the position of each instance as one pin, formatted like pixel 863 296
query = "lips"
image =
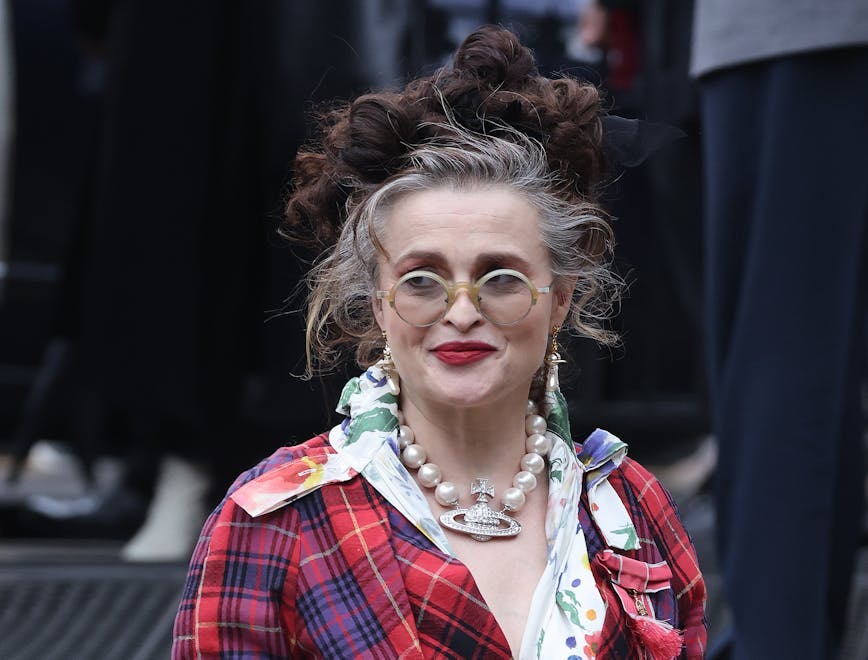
pixel 463 352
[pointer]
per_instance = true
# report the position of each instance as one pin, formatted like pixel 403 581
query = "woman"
pixel 450 515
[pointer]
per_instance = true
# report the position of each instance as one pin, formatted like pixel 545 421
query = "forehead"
pixel 463 224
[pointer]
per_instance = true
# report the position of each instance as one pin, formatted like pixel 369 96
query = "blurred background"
pixel 149 325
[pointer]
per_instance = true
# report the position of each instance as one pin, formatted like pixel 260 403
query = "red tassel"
pixel 659 638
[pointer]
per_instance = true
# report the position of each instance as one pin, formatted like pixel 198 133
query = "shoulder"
pixel 643 485
pixel 230 516
pixel 280 458
pixel 604 457
pixel 222 607
pixel 231 530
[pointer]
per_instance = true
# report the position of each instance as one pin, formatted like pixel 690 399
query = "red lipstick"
pixel 463 352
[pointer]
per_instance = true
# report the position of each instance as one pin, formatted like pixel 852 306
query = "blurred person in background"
pixel 200 109
pixel 172 264
pixel 204 107
pixel 784 91
pixel 56 93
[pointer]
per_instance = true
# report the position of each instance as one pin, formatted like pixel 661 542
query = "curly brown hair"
pixel 489 118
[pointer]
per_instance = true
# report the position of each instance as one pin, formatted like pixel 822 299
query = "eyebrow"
pixel 420 255
pixel 486 259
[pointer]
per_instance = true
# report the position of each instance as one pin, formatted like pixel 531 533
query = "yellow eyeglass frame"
pixel 472 288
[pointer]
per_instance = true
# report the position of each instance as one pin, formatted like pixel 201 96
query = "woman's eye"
pixel 420 281
pixel 421 285
pixel 503 282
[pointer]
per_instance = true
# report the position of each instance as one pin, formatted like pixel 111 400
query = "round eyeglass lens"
pixel 420 300
pixel 504 298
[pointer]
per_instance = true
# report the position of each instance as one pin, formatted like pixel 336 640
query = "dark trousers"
pixel 786 158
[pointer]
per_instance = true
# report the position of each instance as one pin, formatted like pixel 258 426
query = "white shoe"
pixel 175 515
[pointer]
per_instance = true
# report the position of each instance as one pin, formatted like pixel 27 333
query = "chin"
pixel 473 396
pixel 470 389
pixel 459 392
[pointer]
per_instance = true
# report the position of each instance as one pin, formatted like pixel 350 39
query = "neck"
pixel 471 442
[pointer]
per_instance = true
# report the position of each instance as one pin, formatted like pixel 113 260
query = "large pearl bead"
pixel 538 444
pixel 531 408
pixel 414 456
pixel 406 437
pixel 429 475
pixel 513 499
pixel 535 424
pixel 524 480
pixel 446 494
pixel 533 463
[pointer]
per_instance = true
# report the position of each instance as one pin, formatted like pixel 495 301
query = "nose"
pixel 463 313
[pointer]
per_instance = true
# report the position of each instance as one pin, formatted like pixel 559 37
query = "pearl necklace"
pixel 479 520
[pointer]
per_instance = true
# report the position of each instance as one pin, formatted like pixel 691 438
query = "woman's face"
pixel 465 360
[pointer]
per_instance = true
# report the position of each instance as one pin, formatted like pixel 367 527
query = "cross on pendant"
pixel 480 486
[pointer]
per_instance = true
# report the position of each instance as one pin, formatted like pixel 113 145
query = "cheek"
pixel 403 339
pixel 535 340
pixel 542 345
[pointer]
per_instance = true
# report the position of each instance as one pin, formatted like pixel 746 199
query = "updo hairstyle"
pixel 488 119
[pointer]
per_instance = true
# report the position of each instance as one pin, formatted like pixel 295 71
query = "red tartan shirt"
pixel 340 573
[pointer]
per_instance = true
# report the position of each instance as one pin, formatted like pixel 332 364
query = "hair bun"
pixel 379 128
pixel 494 56
pixel 492 82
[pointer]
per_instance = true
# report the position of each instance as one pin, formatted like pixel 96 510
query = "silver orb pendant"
pixel 480 521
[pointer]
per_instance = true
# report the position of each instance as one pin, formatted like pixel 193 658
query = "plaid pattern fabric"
pixel 662 538
pixel 340 573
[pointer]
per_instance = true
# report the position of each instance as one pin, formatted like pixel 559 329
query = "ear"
pixel 562 296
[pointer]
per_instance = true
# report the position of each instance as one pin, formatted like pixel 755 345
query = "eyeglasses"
pixel 503 296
